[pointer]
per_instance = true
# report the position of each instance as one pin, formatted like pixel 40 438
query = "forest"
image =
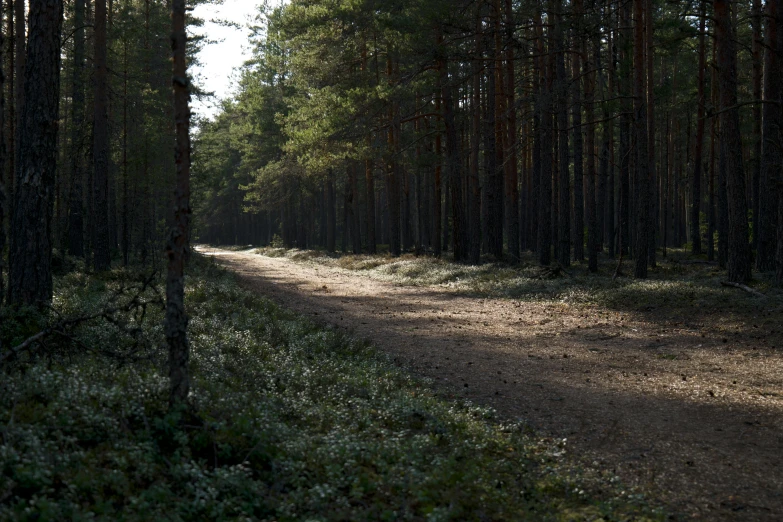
pixel 429 260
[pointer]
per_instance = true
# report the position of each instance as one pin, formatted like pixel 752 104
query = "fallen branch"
pixel 743 287
pixel 136 304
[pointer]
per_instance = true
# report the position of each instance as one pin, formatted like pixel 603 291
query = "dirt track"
pixel 689 415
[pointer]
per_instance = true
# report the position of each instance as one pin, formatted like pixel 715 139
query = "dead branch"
pixel 743 287
pixel 136 304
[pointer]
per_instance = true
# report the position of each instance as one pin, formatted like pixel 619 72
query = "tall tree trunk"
pixel 764 225
pixel 453 163
pixel 474 185
pixel 755 17
pixel 511 205
pixel 10 143
pixel 3 201
pixel 545 182
pixel 75 218
pixel 652 218
pixel 731 146
pixel 564 181
pixel 30 276
pixel 576 118
pixel 695 207
pixel 178 248
pixel 626 109
pixel 592 217
pixel 101 247
pixel 642 163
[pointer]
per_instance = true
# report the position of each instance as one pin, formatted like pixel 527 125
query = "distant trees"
pixel 534 95
pixel 575 130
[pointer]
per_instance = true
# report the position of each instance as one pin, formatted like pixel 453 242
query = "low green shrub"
pixel 290 421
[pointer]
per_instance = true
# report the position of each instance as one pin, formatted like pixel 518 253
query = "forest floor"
pixel 675 383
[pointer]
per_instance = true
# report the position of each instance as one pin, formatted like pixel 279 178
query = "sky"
pixel 219 60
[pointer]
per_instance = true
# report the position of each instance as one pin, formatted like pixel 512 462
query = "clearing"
pixel 685 402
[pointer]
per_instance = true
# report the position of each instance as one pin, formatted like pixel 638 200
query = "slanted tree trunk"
pixel 731 146
pixel 101 246
pixel 30 276
pixel 771 157
pixel 178 246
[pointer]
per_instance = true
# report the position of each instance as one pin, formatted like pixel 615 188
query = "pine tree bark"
pixel 576 120
pixel 30 275
pixel 592 217
pixel 178 247
pixel 771 157
pixel 511 205
pixel 654 210
pixel 544 245
pixel 642 163
pixel 695 207
pixel 76 196
pixel 101 242
pixel 474 185
pixel 3 201
pixel 564 183
pixel 731 147
pixel 755 17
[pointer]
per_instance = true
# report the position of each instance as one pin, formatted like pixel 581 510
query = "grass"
pixel 293 422
pixel 673 288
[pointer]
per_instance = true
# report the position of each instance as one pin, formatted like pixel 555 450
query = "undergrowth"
pixel 674 287
pixel 292 422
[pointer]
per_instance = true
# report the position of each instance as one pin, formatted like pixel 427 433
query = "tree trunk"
pixel 642 163
pixel 652 218
pixel 511 205
pixel 331 213
pixel 101 247
pixel 453 164
pixel 579 200
pixel 731 146
pixel 764 225
pixel 564 182
pixel 30 276
pixel 76 196
pixel 695 207
pixel 178 247
pixel 755 17
pixel 592 217
pixel 545 181
pixel 3 202
pixel 474 185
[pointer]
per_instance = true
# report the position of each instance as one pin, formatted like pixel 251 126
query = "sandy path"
pixel 689 415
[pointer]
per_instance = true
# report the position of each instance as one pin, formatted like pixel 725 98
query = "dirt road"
pixel 689 415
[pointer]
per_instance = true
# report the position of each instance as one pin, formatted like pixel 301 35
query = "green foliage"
pixel 292 422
